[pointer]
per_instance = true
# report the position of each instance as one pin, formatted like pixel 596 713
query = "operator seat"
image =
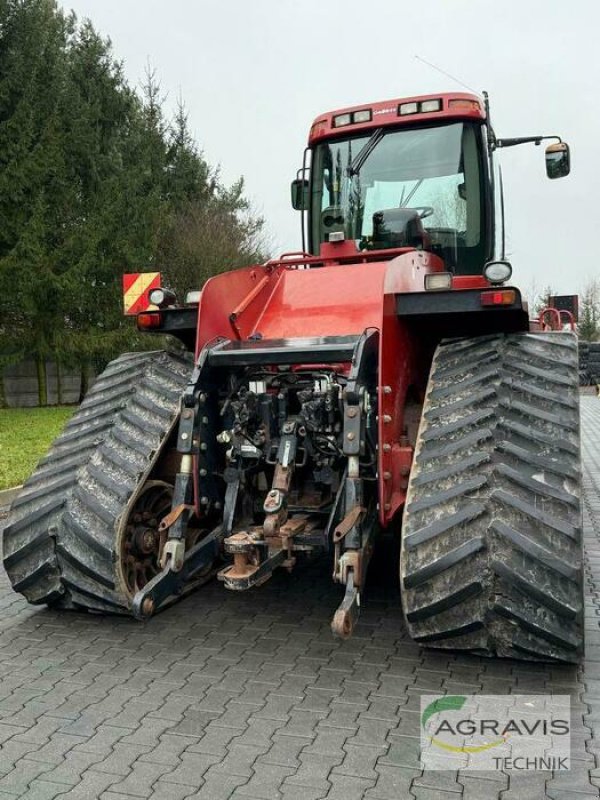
pixel 399 227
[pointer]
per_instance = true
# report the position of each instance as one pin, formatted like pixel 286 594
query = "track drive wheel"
pixel 491 557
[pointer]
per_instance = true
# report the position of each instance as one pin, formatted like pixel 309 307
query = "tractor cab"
pixel 413 173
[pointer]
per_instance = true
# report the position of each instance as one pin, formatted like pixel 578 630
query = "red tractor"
pixel 383 379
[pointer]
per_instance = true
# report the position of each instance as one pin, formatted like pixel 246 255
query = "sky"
pixel 254 75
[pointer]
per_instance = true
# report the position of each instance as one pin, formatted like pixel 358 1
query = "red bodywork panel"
pixel 284 300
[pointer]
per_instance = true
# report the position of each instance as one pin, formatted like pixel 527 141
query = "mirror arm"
pixel 524 140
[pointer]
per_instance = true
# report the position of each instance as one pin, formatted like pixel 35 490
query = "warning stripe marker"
pixel 136 286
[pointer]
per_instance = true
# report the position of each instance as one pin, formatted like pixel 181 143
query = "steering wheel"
pixel 424 211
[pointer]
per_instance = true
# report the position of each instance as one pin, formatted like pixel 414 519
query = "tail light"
pixel 149 319
pixel 505 297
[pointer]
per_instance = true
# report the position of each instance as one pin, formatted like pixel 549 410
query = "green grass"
pixel 25 436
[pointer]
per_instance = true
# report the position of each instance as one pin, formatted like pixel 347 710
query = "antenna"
pixel 447 74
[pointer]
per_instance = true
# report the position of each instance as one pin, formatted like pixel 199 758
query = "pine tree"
pixel 589 316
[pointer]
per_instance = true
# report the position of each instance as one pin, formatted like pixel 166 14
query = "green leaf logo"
pixel 451 702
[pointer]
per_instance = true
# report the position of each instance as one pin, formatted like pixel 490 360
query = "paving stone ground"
pixel 249 696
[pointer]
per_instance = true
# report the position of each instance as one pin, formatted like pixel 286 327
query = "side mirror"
pixel 300 194
pixel 558 160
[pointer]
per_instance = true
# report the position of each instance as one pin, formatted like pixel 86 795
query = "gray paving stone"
pixel 216 700
pixel 41 732
pixel 316 700
pixel 71 768
pixel 329 740
pixel 53 752
pixel 191 769
pixel 101 741
pixel 444 780
pixel 28 716
pixel 149 731
pixel 372 732
pixel 214 741
pixel 17 780
pixel 314 770
pixel 169 791
pixel 120 761
pixel 9 731
pixel 425 793
pixel 140 779
pixel 218 785
pixel 40 789
pixel 342 715
pixel 477 788
pixel 92 785
pixel 284 751
pixel 384 709
pixel 236 715
pixel 297 792
pixel 277 707
pixel 360 761
pixel 194 723
pixel 168 750
pixel 576 779
pixel 302 723
pixel 259 732
pixel 11 752
pixel 345 787
pixel 392 783
pixel 265 783
pixel 404 751
pixel 241 759
pixel 175 707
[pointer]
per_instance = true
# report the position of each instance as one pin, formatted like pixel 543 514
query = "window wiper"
pixel 405 201
pixel 364 152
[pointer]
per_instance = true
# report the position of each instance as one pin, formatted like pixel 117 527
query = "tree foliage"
pixel 589 312
pixel 543 300
pixel 95 182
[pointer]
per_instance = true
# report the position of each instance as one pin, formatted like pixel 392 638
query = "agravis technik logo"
pixel 495 732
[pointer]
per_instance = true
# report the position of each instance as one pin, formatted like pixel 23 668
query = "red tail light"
pixel 502 297
pixel 149 319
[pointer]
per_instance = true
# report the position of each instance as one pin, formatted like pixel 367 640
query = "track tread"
pixel 492 544
pixel 59 543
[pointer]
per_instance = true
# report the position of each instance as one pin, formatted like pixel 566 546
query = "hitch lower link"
pixel 350 570
pixel 181 570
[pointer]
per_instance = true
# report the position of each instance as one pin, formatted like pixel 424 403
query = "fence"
pixel 19 385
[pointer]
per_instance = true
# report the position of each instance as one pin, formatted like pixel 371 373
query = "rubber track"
pixel 59 543
pixel 491 557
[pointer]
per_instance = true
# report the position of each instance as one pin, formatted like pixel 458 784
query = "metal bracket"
pixel 353 429
pixel 173 516
pixel 173 554
pixel 350 520
pixel 172 582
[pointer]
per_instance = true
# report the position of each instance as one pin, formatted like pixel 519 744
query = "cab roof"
pixel 400 111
